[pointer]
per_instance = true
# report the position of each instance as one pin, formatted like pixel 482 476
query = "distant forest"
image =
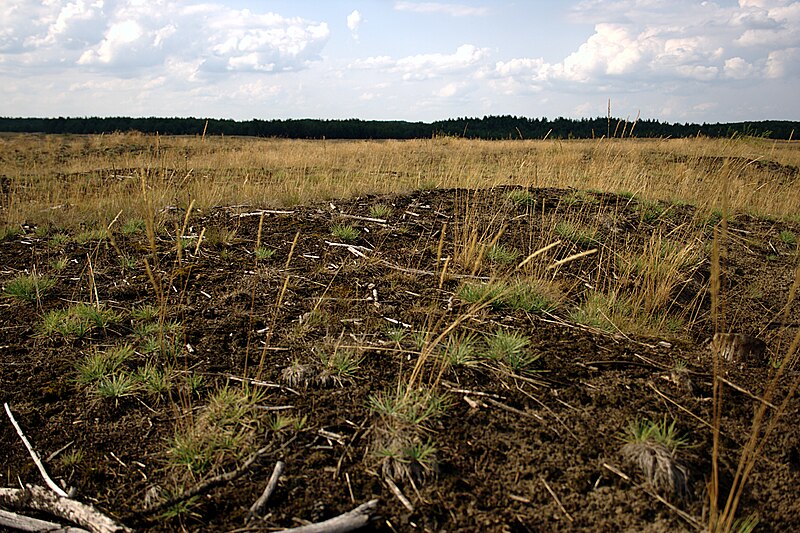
pixel 488 127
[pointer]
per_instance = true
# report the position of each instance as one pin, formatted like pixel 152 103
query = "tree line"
pixel 488 127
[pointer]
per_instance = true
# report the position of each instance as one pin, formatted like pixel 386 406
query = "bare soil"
pixel 539 451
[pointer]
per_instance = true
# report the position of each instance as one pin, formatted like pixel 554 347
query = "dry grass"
pixel 66 180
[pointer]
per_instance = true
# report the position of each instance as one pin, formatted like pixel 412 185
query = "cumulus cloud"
pixel 690 41
pixel 453 10
pixel 354 20
pixel 427 66
pixel 129 33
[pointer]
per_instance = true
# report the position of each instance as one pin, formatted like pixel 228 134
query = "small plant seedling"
pixel 144 313
pixel 72 458
pixel 502 254
pixel 60 263
pixel 654 447
pixel 8 232
pixel 521 197
pixel 263 253
pixel 28 287
pixel 155 379
pixel 382 211
pixel 510 348
pixel 133 226
pixel 414 406
pixel 788 237
pixel 102 365
pixel 58 239
pixel 345 232
pixel 93 235
pixel 580 235
pixel 460 350
pixel 396 335
pixel 117 386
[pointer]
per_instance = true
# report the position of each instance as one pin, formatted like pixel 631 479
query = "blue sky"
pixel 672 60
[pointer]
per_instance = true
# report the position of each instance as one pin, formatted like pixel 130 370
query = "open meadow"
pixel 535 335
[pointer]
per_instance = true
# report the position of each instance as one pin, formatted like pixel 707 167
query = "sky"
pixel 669 60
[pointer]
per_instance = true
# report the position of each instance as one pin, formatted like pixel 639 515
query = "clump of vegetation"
pixel 654 448
pixel 225 430
pixel 461 350
pixel 578 233
pixel 102 365
pixel 510 348
pixel 382 211
pixel 133 226
pixel 92 235
pixel 78 321
pixel 345 232
pixel 401 442
pixel 521 197
pixel 521 295
pixel 502 254
pixel 263 253
pixel 788 237
pixel 28 287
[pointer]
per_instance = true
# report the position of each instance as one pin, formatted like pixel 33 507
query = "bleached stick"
pixel 257 510
pixel 50 483
pixel 349 521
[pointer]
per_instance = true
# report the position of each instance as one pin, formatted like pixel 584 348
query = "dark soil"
pixel 506 440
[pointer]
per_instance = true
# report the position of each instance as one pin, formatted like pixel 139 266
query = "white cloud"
pixel 453 10
pixel 467 58
pixel 448 90
pixel 697 42
pixel 354 20
pixel 120 36
pixel 738 69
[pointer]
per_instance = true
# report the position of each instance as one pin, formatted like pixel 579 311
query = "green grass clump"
pixel 578 234
pixel 78 321
pixel 345 232
pixel 502 254
pixel 224 431
pixel 101 365
pixel 521 197
pixel 8 232
pixel 92 235
pixel 521 295
pixel 788 237
pixel 28 287
pixel 414 406
pixel 263 253
pixel 654 447
pixel 58 240
pixel 133 226
pixel 461 350
pixel 382 211
pixel 510 348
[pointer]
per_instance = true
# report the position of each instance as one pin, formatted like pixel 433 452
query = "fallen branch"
pixel 206 485
pixel 349 521
pixel 26 523
pixel 40 499
pixel 257 509
pixel 50 483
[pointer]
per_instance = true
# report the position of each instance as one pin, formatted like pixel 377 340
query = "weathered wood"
pixel 257 509
pixel 349 521
pixel 41 499
pixel 50 483
pixel 26 523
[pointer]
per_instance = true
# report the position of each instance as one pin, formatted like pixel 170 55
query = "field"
pixel 483 336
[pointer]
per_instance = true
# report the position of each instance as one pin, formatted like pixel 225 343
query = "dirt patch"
pixel 536 447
